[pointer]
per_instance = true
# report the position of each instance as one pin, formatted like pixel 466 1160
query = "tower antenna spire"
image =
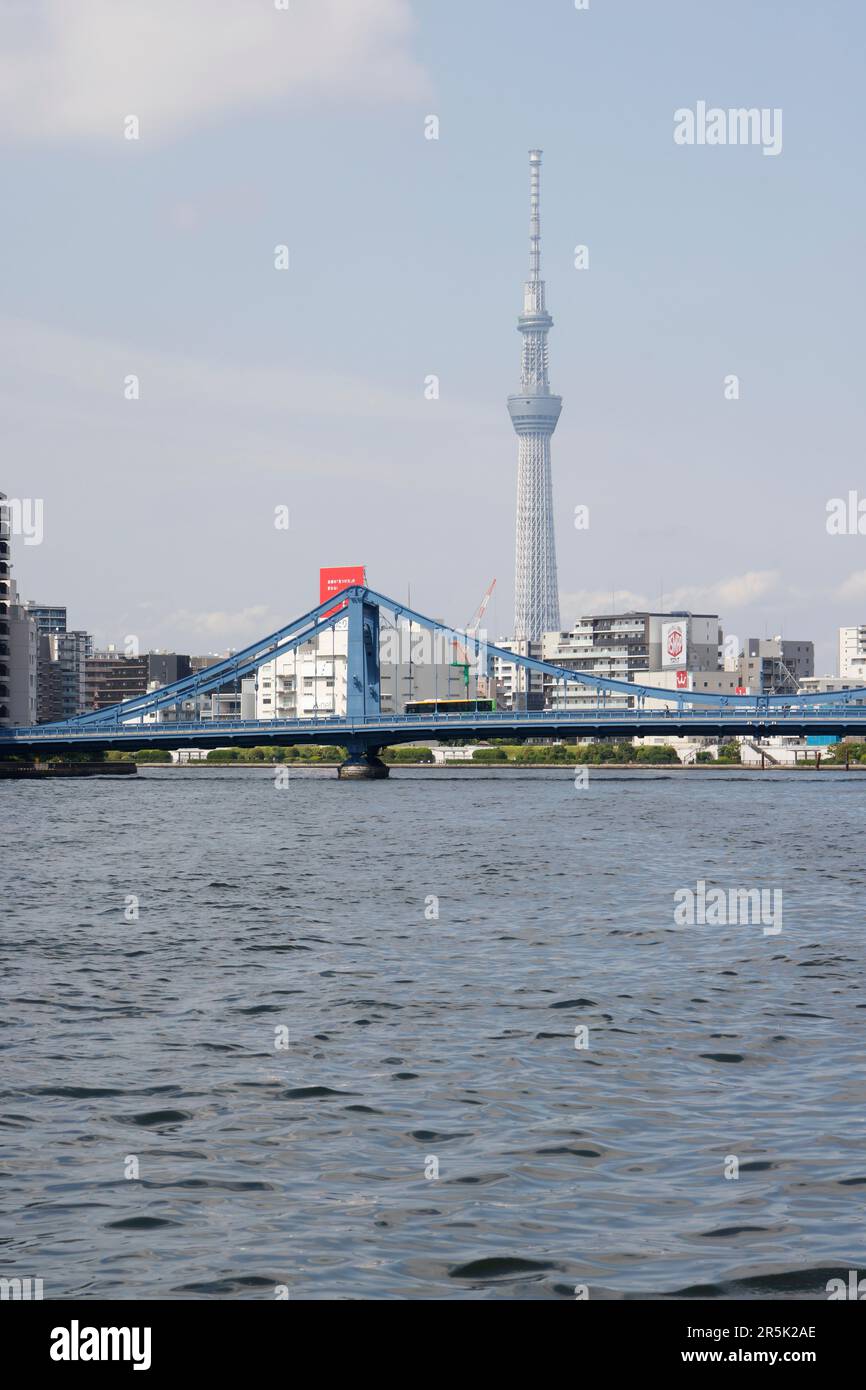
pixel 535 215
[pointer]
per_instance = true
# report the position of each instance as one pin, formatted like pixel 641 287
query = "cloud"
pixel 853 587
pixel 586 601
pixel 77 68
pixel 737 592
pixel 745 589
pixel 40 358
pixel 246 623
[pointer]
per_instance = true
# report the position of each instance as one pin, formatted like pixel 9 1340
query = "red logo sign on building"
pixel 675 643
pixel 682 680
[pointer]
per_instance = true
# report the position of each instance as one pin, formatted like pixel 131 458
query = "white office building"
pixel 852 654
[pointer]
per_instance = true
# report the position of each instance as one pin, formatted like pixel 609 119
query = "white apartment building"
pixel 217 704
pixel 310 682
pixel 814 685
pixel 852 654
pixel 23 658
pixel 514 686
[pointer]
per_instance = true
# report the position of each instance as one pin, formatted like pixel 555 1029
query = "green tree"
pixel 404 754
pixel 490 755
pixel 655 753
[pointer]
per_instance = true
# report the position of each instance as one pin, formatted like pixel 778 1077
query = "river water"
pixel 243 1057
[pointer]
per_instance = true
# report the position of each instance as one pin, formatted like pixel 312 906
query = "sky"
pixel 262 388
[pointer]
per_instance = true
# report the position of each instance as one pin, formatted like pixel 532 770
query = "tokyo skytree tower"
pixel 534 413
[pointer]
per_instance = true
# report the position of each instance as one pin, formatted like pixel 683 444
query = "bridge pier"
pixel 362 762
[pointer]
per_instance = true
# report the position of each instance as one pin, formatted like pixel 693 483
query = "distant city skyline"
pixel 305 388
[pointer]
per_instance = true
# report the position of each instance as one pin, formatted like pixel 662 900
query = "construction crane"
pixel 460 650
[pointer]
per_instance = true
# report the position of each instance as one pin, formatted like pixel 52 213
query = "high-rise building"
pixel 644 647
pixel 68 653
pixel 18 642
pixel 514 686
pixel 5 599
pixel 23 663
pixel 852 654
pixel 48 617
pixel 799 657
pixel 775 666
pixel 60 663
pixel 534 414
pixel 111 678
pixel 52 681
pixel 167 667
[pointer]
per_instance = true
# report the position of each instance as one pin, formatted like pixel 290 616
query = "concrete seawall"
pixel 18 771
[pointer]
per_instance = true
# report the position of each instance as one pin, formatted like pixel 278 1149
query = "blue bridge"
pixel 152 720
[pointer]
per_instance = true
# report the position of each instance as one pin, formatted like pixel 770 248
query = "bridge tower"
pixel 363 688
pixel 534 414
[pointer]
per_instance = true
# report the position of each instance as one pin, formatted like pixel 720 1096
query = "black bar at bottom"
pixel 164 1339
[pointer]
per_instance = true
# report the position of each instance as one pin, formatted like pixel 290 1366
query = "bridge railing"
pixel 502 720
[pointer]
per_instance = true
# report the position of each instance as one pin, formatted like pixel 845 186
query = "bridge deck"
pixel 381 730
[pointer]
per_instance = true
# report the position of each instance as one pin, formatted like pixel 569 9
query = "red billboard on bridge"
pixel 333 581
